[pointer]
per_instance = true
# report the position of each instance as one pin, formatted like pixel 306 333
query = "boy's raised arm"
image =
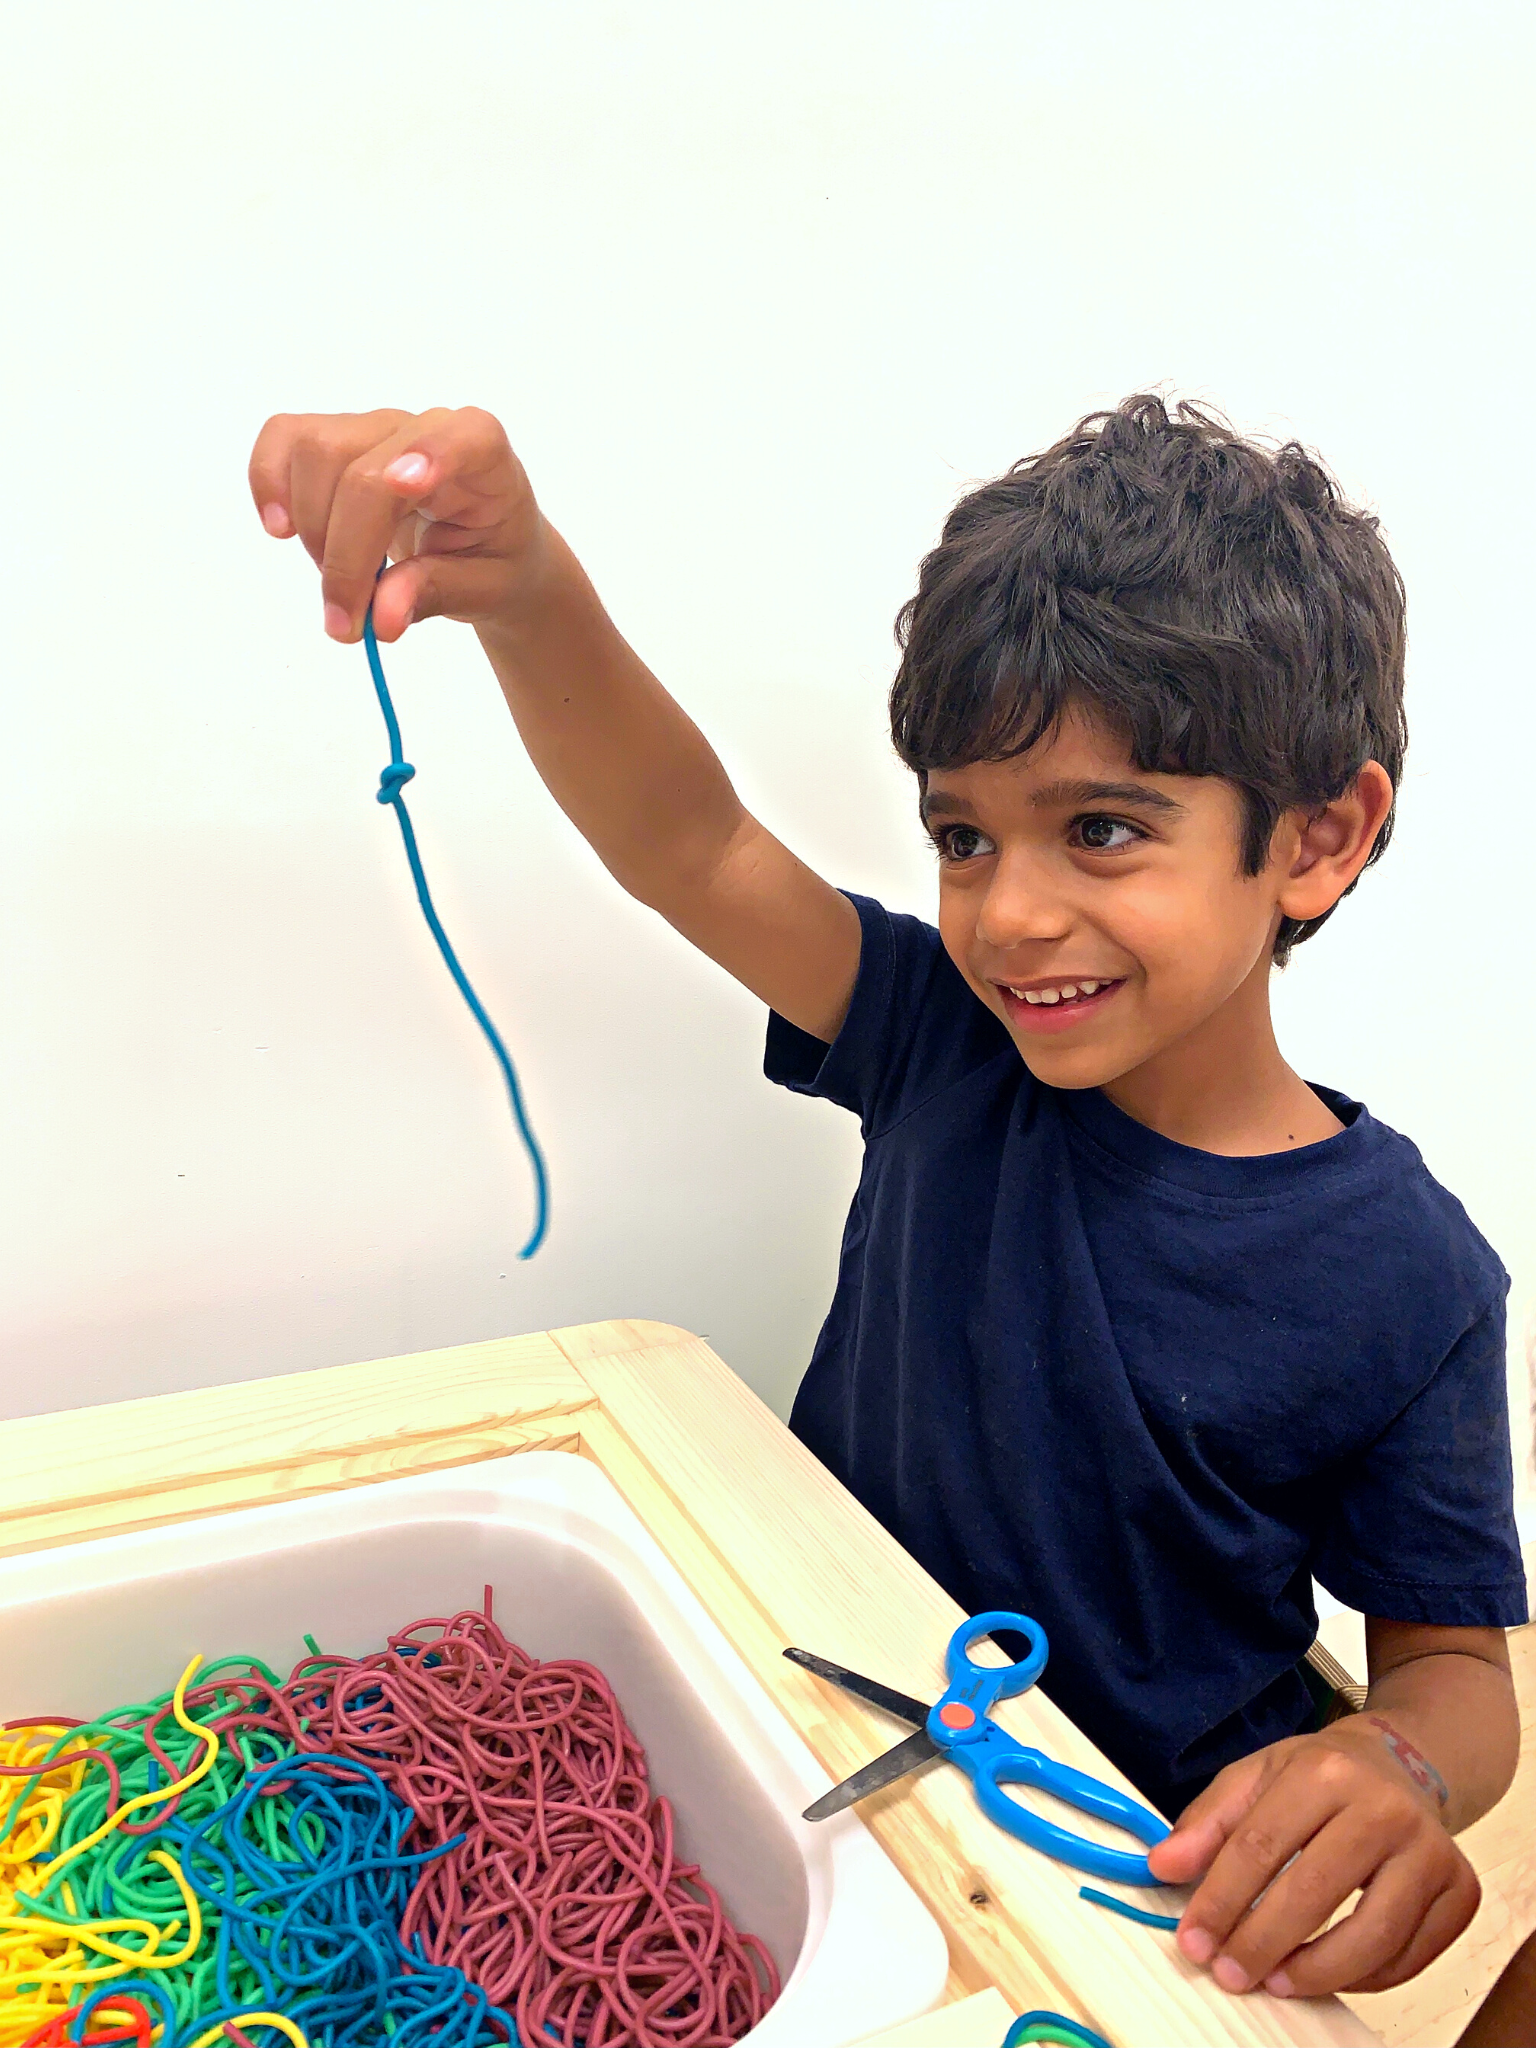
pixel 442 494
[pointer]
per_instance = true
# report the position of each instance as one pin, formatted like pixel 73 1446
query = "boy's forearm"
pixel 624 762
pixel 1457 1715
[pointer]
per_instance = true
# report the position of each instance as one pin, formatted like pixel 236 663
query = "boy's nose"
pixel 1021 905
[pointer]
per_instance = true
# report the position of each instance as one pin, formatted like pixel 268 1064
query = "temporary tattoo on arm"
pixel 1413 1761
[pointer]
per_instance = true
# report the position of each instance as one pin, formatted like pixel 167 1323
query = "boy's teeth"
pixel 1067 993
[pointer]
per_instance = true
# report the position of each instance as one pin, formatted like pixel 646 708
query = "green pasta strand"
pixel 117 1878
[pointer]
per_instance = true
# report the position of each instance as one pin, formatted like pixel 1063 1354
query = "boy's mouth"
pixel 1051 1006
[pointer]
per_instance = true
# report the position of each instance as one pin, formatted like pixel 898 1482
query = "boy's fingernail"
pixel 1197 1944
pixel 338 623
pixel 275 520
pixel 408 469
pixel 1279 1984
pixel 1231 1976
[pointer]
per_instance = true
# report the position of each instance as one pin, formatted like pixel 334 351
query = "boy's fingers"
pixel 351 486
pixel 1344 1855
pixel 368 501
pixel 268 474
pixel 1206 1822
pixel 1398 1928
pixel 435 460
pixel 1448 1917
pixel 326 443
pixel 322 450
pixel 312 472
pixel 1258 1847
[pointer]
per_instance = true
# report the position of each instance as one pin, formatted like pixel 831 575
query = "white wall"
pixel 758 290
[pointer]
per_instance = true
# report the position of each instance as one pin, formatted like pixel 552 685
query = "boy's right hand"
pixel 440 493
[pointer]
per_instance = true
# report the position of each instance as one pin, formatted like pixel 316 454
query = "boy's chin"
pixel 1072 1066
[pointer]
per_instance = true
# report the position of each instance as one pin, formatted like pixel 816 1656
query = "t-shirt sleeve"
pixel 1424 1524
pixel 913 1027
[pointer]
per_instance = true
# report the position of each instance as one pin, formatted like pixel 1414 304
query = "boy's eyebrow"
pixel 1076 794
pixel 942 803
pixel 936 803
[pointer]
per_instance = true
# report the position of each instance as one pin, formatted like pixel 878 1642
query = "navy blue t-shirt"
pixel 1146 1393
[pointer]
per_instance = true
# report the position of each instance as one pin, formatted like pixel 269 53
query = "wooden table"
pixel 777 1551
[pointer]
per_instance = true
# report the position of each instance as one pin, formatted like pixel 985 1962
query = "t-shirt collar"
pixel 1215 1173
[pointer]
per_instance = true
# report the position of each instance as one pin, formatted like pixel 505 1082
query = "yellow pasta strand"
pixel 26 1833
pixel 162 1793
pixel 56 1960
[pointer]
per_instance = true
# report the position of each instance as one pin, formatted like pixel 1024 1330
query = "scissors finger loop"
pixel 996 1682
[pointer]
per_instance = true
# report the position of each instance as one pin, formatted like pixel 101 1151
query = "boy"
pixel 1133 1329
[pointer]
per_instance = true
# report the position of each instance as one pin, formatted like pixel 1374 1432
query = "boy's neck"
pixel 1225 1086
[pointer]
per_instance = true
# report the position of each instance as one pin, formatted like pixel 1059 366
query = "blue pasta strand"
pixel 1168 1921
pixel 392 781
pixel 313 1912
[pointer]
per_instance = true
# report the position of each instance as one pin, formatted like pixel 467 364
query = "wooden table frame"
pixel 773 1546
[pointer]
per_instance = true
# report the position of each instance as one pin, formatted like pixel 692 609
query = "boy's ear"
pixel 1321 852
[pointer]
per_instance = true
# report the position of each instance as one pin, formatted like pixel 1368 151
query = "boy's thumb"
pixel 1206 1822
pixel 436 587
pixel 1188 1852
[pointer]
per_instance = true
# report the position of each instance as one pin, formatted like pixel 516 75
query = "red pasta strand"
pixel 565 1902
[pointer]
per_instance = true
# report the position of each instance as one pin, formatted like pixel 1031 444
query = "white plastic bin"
pixel 575 1574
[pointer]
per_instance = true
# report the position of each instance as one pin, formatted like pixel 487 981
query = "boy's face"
pixel 1102 912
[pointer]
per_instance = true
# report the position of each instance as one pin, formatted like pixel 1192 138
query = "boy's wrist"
pixel 547 585
pixel 1386 1742
pixel 1412 1759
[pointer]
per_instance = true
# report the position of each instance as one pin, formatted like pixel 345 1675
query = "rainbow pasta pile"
pixel 444 1842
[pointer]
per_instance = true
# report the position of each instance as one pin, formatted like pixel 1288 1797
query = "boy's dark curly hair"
pixel 1215 602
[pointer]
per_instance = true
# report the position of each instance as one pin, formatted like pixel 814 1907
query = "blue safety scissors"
pixel 957 1728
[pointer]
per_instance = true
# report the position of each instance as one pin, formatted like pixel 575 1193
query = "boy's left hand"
pixel 1342 1806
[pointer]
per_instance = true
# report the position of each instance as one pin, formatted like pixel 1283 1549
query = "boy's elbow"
pixel 1499 1744
pixel 1503 1712
pixel 1511 1743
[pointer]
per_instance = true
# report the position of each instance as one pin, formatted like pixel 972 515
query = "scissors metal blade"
pixel 908 1754
pixel 899 1705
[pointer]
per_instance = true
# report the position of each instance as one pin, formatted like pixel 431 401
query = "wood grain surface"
pixel 978 2021
pixel 138 1463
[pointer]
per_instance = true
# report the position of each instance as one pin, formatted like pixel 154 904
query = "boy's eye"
pixel 1104 835
pixel 963 842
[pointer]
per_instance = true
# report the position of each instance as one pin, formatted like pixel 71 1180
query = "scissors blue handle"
pixel 991 1758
